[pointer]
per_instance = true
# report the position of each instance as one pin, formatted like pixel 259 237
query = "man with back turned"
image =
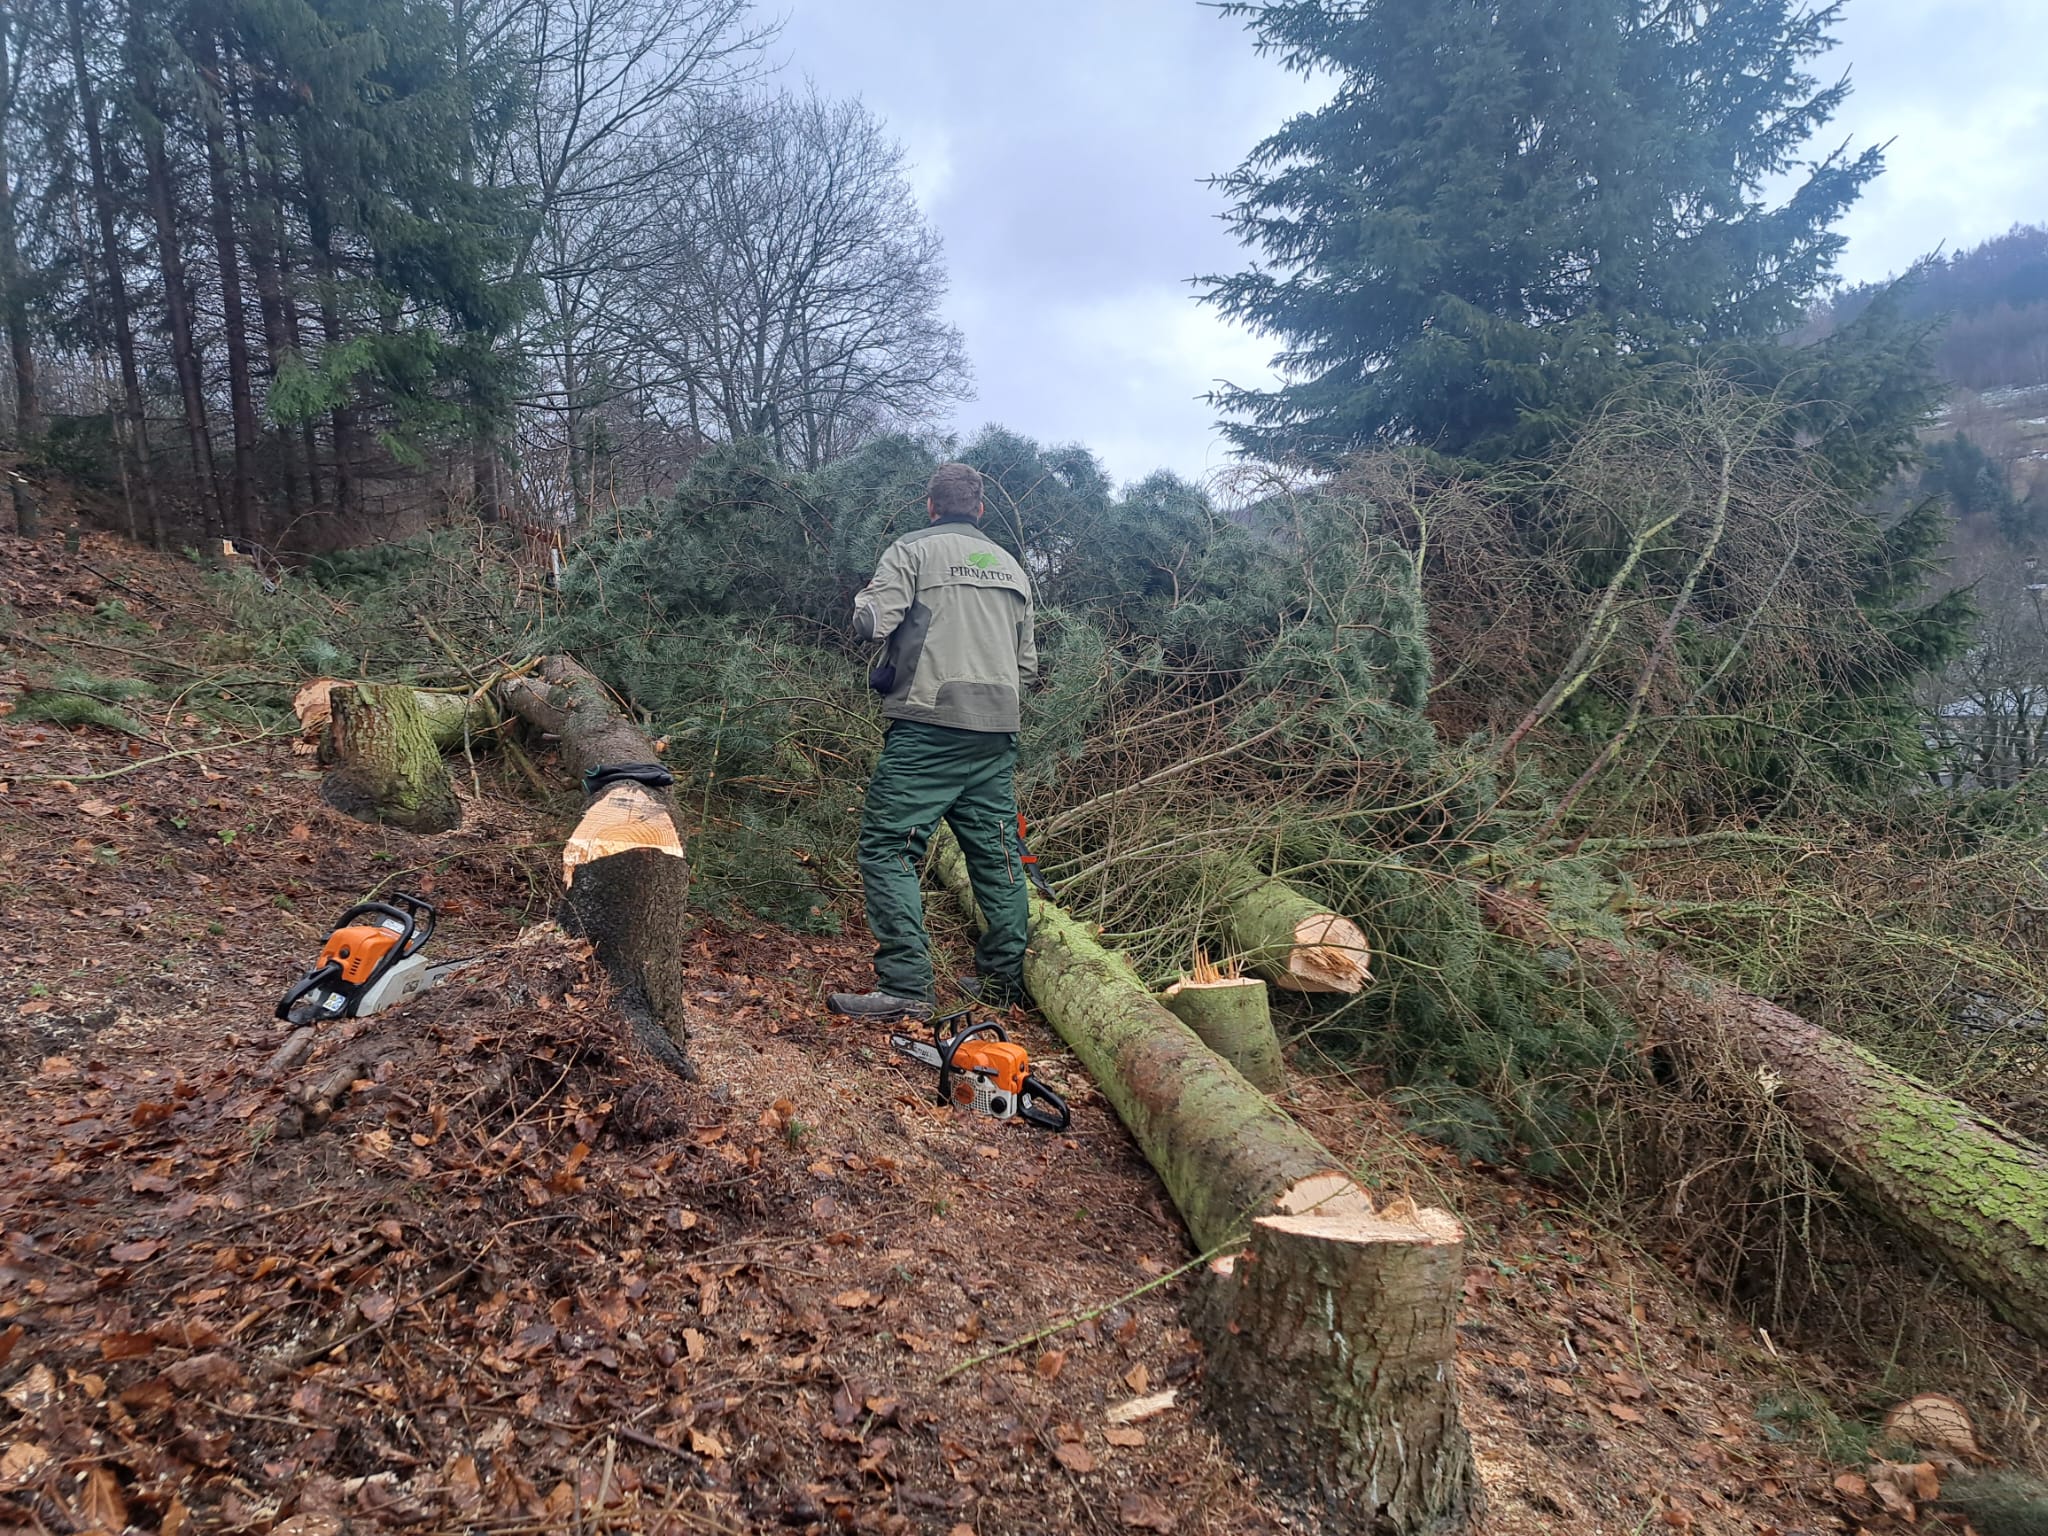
pixel 953 611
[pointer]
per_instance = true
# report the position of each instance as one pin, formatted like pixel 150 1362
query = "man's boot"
pixel 990 991
pixel 877 1006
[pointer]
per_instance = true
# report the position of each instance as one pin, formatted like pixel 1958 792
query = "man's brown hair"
pixel 955 490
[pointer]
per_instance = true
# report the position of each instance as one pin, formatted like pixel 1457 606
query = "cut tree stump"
pixel 627 878
pixel 388 758
pixel 1962 1188
pixel 1365 1428
pixel 1230 1015
pixel 1295 941
pixel 1336 1371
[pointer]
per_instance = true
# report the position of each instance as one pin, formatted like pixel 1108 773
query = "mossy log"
pixel 387 757
pixel 1231 1016
pixel 627 881
pixel 1965 1190
pixel 1295 941
pixel 1322 1330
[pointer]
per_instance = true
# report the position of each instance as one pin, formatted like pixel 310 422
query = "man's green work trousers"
pixel 929 772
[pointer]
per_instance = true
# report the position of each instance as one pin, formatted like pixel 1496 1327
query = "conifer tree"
pixel 1504 209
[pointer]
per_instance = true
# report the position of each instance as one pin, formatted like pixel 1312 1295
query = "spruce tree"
pixel 1505 209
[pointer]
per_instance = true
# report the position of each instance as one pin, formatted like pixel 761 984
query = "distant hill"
pixel 1996 298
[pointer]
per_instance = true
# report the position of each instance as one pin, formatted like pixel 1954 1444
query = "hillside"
pixel 523 1280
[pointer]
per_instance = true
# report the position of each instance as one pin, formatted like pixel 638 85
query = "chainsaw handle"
pixel 311 982
pixel 948 1047
pixel 1035 1094
pixel 416 913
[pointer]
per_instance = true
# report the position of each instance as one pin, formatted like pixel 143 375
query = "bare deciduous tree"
pixel 791 289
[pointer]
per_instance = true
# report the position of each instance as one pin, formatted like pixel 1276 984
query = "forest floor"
pixel 525 1281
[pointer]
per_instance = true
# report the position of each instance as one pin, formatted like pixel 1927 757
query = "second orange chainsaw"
pixel 983 1069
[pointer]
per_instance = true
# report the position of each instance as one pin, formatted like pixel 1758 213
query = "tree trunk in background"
pixel 327 271
pixel 242 403
pixel 171 263
pixel 1295 941
pixel 260 218
pixel 137 437
pixel 632 904
pixel 1964 1190
pixel 389 760
pixel 28 400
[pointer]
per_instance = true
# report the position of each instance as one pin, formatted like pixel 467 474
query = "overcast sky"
pixel 1060 148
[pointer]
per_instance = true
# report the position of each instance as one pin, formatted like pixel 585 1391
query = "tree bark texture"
pixel 137 437
pixel 1225 1152
pixel 1335 1373
pixel 1295 941
pixel 1231 1016
pixel 1965 1190
pixel 228 266
pixel 632 905
pixel 28 400
pixel 388 758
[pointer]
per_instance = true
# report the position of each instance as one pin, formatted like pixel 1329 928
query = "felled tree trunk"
pixel 448 718
pixel 1964 1189
pixel 388 761
pixel 1296 942
pixel 1229 1014
pixel 628 882
pixel 1323 1330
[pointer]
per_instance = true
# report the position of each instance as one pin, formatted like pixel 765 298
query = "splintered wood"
pixel 626 816
pixel 1330 955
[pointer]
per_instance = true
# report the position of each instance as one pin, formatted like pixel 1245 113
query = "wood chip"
pixel 1139 1409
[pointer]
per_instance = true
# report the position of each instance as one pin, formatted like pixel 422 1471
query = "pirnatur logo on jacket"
pixel 983 566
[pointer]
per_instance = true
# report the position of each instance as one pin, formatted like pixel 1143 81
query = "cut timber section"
pixel 1336 1371
pixel 1230 1015
pixel 628 882
pixel 1371 1455
pixel 1295 941
pixel 385 741
pixel 1963 1189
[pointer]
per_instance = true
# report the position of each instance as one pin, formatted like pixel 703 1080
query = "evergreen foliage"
pixel 1503 211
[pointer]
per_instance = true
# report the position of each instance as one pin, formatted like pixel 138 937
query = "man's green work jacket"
pixel 955 609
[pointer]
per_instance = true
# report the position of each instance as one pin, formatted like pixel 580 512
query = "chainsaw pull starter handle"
pixel 1042 1107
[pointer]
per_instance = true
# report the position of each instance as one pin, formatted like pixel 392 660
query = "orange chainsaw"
pixel 983 1069
pixel 370 962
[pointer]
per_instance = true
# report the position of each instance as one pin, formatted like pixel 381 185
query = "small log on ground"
pixel 628 881
pixel 1380 1456
pixel 1962 1188
pixel 1336 1375
pixel 1230 1015
pixel 388 758
pixel 1295 941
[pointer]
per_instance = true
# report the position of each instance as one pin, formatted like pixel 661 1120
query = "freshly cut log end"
pixel 624 817
pixel 1295 942
pixel 1230 1015
pixel 628 880
pixel 1335 1369
pixel 389 766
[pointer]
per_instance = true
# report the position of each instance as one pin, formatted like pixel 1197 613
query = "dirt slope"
pixel 525 1281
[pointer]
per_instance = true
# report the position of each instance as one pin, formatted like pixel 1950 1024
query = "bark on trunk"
pixel 1230 1015
pixel 1225 1152
pixel 628 884
pixel 1964 1189
pixel 137 437
pixel 1333 1352
pixel 241 400
pixel 28 400
pixel 1336 1373
pixel 1295 941
pixel 389 759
